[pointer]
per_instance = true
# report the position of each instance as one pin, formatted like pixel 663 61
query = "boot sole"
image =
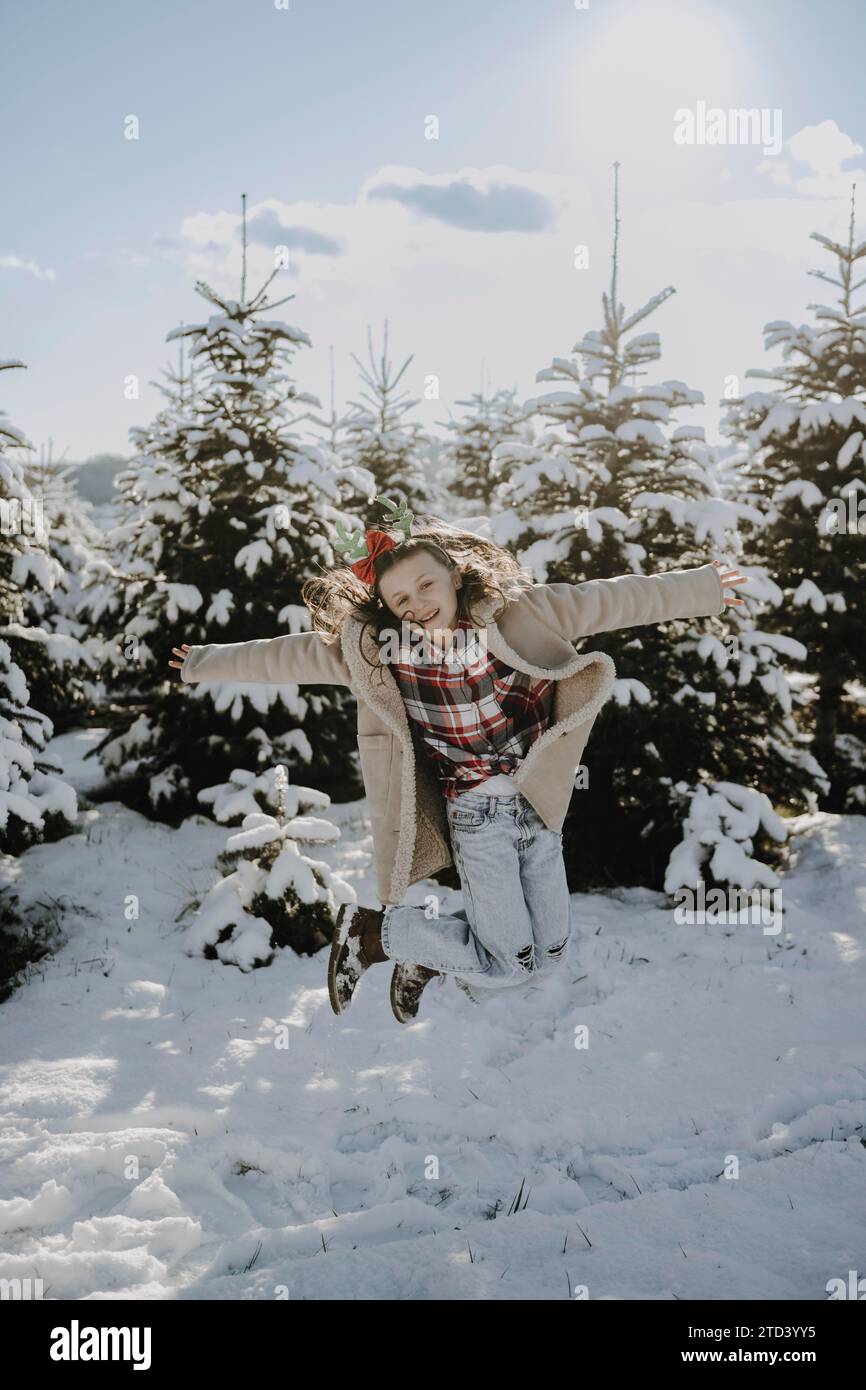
pixel 336 950
pixel 398 1016
pixel 408 1018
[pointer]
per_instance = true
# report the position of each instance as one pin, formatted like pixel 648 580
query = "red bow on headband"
pixel 377 543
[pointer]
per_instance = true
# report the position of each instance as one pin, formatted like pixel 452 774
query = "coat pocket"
pixel 376 752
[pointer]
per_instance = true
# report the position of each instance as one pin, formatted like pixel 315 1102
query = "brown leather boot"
pixel 407 986
pixel 357 945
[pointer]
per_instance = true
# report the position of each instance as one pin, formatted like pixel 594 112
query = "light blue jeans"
pixel 516 925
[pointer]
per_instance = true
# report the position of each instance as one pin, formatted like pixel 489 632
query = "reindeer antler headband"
pixel 360 551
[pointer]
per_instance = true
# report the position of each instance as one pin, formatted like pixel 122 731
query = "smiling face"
pixel 422 590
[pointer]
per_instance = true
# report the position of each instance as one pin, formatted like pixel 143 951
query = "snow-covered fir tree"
pixel 35 802
pixel 618 487
pixel 275 891
pixel 804 465
pixel 154 492
pixel 382 439
pixel 129 596
pixel 228 512
pixel 468 469
pixel 65 685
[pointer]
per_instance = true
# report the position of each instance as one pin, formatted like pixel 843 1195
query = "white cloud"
pixel 822 149
pixel 30 267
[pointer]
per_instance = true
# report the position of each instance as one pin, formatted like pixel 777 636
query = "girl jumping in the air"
pixel 473 712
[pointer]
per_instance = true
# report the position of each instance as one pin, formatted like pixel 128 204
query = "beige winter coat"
pixel 534 633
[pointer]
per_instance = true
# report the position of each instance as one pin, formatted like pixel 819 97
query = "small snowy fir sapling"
pixel 276 894
pixel 468 460
pixel 720 831
pixel 381 440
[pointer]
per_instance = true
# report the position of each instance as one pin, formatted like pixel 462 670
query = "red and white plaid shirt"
pixel 476 716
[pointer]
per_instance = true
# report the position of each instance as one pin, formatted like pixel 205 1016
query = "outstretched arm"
pixel 631 600
pixel 302 658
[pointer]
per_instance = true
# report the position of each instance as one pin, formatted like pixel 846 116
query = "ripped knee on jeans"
pixel 557 952
pixel 525 959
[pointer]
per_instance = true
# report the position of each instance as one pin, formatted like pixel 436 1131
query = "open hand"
pixel 729 578
pixel 180 651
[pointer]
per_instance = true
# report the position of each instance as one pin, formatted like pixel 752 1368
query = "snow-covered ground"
pixel 158 1143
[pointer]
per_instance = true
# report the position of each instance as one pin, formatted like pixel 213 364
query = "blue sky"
pixel 318 112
